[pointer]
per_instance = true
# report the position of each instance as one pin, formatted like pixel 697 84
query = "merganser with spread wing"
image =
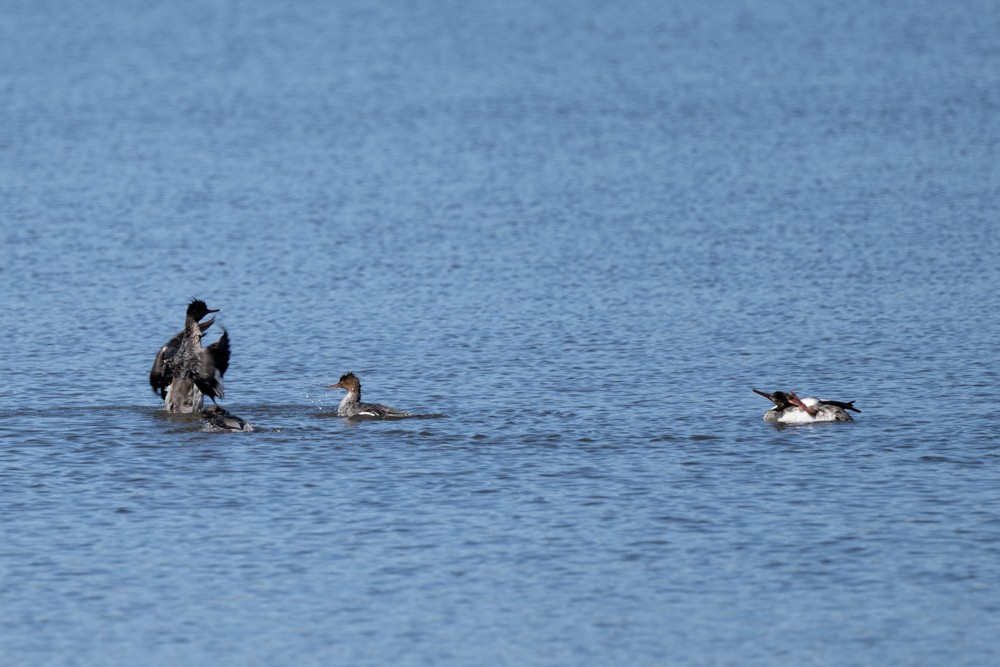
pixel 183 371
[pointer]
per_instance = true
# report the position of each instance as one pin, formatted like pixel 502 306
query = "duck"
pixel 183 371
pixel 218 419
pixel 790 409
pixel 351 405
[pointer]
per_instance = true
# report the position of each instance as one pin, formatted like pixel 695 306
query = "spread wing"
pixel 161 374
pixel 219 351
pixel 214 362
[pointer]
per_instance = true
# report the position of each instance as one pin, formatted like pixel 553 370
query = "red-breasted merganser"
pixel 351 405
pixel 183 371
pixel 217 419
pixel 790 409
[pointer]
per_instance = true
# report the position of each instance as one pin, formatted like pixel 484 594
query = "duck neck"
pixel 353 397
pixel 192 330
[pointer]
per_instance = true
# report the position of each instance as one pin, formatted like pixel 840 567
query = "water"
pixel 578 233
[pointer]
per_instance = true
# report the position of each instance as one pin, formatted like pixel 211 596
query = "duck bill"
pixel 763 393
pixel 334 386
pixel 213 310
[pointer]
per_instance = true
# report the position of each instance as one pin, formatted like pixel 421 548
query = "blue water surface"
pixel 571 235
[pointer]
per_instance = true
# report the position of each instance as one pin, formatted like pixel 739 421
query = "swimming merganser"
pixel 790 409
pixel 218 419
pixel 183 371
pixel 351 405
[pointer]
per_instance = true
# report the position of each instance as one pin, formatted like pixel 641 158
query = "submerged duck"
pixel 790 409
pixel 183 371
pixel 218 419
pixel 351 405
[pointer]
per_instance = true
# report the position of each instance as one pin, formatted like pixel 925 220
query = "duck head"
pixel 780 399
pixel 348 381
pixel 197 309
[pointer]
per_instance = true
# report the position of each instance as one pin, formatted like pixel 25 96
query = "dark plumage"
pixel 161 374
pixel 218 419
pixel 183 371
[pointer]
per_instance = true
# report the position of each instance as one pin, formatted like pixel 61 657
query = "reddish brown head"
pixel 348 381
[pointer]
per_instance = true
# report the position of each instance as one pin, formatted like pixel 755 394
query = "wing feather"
pixel 214 362
pixel 161 374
